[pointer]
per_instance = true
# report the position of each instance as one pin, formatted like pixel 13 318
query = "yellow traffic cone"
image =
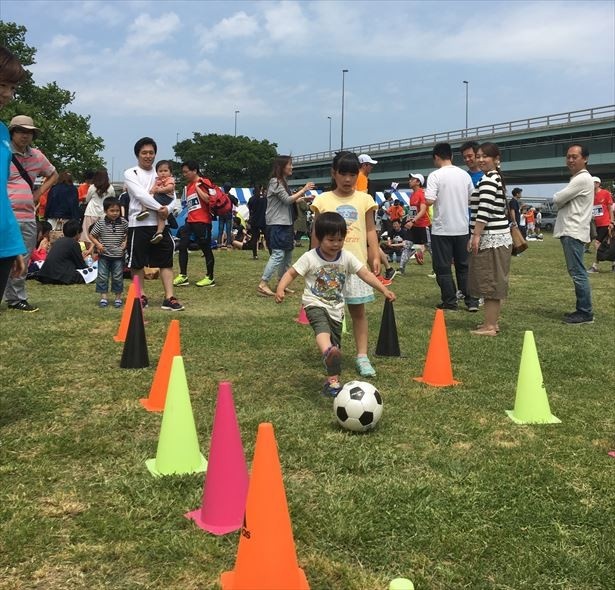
pixel 531 402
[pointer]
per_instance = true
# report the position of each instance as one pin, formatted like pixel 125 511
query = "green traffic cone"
pixel 531 402
pixel 178 444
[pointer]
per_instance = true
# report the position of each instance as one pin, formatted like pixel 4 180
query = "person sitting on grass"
pixel 164 193
pixel 325 270
pixel 242 240
pixel 109 237
pixel 64 258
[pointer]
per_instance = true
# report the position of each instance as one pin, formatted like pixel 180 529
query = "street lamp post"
pixel 236 113
pixel 329 133
pixel 344 72
pixel 467 83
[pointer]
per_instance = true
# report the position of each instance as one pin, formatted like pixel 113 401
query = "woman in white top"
pixel 99 190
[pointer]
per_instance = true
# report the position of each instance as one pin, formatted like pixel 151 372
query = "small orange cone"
pixel 160 384
pixel 266 557
pixel 123 327
pixel 438 371
pixel 302 317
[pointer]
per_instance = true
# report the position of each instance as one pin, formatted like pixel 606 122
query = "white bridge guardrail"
pixel 543 122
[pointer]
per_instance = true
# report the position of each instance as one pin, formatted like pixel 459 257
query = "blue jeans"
pixel 573 253
pixel 280 259
pixel 113 267
pixel 225 224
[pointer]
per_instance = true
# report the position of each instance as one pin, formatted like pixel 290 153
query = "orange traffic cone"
pixel 160 384
pixel 302 317
pixel 125 320
pixel 438 371
pixel 266 557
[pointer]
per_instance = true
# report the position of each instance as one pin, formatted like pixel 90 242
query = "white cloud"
pixel 60 41
pixel 146 31
pixel 239 25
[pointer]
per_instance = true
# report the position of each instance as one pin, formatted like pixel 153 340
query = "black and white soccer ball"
pixel 358 406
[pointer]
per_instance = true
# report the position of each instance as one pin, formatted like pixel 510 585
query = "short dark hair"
pixel 516 191
pixel 443 151
pixel 584 150
pixel 164 163
pixel 329 224
pixel 346 163
pixel 71 228
pixel 191 165
pixel 469 145
pixel 143 142
pixel 109 202
pixel 11 69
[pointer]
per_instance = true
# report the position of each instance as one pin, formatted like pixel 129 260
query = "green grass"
pixel 446 491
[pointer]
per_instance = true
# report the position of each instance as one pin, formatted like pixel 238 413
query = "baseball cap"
pixel 419 177
pixel 597 179
pixel 23 122
pixel 366 159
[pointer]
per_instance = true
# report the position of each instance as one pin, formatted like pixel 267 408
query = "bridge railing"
pixel 542 122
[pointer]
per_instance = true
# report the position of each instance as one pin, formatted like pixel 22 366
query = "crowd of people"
pixel 461 217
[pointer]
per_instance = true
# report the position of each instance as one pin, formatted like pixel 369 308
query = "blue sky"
pixel 167 69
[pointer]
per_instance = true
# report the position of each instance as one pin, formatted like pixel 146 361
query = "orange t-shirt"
pixel 82 191
pixel 396 212
pixel 529 216
pixel 361 182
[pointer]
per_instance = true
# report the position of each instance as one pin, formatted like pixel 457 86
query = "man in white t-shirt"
pixel 141 251
pixel 449 189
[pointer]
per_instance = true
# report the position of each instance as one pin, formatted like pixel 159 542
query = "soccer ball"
pixel 358 406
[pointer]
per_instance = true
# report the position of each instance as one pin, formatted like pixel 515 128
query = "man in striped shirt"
pixel 27 164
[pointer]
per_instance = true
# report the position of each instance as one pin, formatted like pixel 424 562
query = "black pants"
pixel 256 234
pixel 447 250
pixel 202 232
pixel 5 270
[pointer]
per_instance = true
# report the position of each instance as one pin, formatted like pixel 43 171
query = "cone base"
pixel 151 466
pixel 197 517
pixel 423 380
pixel 118 338
pixel 150 406
pixel 551 419
pixel 227 580
pixel 302 322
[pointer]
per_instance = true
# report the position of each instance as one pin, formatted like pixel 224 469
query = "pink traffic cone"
pixel 612 453
pixel 137 283
pixel 302 317
pixel 226 483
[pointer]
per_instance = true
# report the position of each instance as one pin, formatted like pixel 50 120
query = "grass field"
pixel 447 491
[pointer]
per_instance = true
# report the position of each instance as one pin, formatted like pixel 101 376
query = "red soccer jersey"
pixel 198 212
pixel 603 201
pixel 416 200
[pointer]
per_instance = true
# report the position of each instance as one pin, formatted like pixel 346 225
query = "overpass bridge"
pixel 532 150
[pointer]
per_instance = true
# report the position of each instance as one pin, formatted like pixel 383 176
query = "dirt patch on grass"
pixel 62 506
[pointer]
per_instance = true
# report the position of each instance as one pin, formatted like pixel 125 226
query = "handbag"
pixel 519 242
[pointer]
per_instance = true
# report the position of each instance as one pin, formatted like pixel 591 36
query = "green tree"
pixel 225 158
pixel 66 138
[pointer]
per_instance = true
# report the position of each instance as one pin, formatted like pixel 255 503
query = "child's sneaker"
pixel 365 367
pixel 103 303
pixel 180 280
pixel 390 273
pixel 332 359
pixel 331 388
pixel 144 302
pixel 171 304
pixel 142 215
pixel 157 238
pixel 117 303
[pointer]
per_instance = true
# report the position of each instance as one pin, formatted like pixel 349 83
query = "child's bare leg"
pixel 159 229
pixel 359 327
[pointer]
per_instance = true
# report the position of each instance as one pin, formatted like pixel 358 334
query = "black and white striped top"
pixel 111 234
pixel 488 204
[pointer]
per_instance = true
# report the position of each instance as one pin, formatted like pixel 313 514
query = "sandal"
pixel 265 291
pixel 484 332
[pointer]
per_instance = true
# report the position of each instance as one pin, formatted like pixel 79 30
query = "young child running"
pixel 109 236
pixel 164 193
pixel 326 270
pixel 357 209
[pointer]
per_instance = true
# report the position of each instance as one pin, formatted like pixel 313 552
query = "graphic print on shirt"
pixel 329 283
